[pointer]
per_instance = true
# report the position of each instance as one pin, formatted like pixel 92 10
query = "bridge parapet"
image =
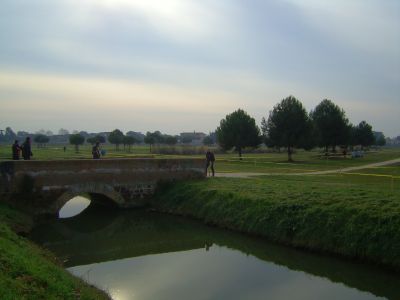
pixel 45 186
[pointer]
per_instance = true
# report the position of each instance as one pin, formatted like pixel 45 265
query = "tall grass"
pixel 28 272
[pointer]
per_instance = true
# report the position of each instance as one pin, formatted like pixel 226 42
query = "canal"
pixel 137 254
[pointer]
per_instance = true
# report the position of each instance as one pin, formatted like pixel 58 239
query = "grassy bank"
pixel 28 272
pixel 350 215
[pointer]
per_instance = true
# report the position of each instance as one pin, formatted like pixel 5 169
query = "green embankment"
pixel 28 272
pixel 349 215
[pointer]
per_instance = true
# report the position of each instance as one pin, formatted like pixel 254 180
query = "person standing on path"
pixel 26 149
pixel 16 149
pixel 210 161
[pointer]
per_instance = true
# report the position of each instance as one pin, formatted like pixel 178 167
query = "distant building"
pixel 393 141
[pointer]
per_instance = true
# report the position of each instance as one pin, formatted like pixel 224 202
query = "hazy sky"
pixel 182 65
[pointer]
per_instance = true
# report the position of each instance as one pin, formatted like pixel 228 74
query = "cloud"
pixel 370 26
pixel 201 59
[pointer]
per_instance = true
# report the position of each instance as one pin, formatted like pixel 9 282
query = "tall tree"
pixel 129 140
pixel 149 139
pixel 116 137
pixel 238 130
pixel 331 124
pixel 364 135
pixel 288 125
pixel 152 138
pixel 10 134
pixel 380 139
pixel 76 139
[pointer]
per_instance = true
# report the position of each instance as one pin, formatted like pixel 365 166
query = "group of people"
pixel 25 149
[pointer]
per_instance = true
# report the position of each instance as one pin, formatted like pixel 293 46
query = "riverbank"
pixel 29 272
pixel 352 216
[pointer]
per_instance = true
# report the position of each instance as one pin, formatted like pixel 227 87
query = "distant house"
pixel 192 138
pixel 393 141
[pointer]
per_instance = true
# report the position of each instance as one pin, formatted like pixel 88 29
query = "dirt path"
pixel 349 169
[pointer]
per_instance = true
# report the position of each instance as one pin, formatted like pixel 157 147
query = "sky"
pixel 183 65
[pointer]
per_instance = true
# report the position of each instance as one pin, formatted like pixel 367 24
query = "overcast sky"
pixel 182 65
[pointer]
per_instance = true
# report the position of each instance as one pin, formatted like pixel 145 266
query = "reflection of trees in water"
pixel 99 235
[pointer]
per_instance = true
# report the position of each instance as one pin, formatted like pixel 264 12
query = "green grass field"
pixel 305 161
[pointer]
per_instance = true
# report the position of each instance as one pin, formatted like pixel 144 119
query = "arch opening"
pixel 77 204
pixel 74 206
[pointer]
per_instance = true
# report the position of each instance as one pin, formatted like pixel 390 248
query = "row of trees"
pixel 118 138
pixel 115 137
pixel 290 126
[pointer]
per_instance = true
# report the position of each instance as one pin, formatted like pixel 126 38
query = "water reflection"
pixel 74 207
pixel 143 255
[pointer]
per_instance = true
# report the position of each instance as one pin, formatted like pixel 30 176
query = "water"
pixel 145 255
pixel 73 207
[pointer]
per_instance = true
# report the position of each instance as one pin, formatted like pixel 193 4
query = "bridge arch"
pixel 77 190
pixel 42 187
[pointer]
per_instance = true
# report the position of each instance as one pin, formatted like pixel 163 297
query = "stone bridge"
pixel 43 187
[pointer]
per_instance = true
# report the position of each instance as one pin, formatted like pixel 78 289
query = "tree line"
pixel 290 126
pixel 117 138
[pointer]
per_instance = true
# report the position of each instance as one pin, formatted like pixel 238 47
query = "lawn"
pixel 305 161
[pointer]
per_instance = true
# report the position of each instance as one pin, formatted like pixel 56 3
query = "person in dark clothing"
pixel 26 149
pixel 16 149
pixel 210 161
pixel 96 151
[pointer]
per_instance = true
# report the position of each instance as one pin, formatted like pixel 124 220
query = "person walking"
pixel 210 158
pixel 26 149
pixel 96 151
pixel 16 149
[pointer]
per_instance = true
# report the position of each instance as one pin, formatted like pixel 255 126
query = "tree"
pixel 116 137
pixel 129 140
pixel 331 124
pixel 288 125
pixel 238 130
pixel 170 139
pixel 208 141
pixel 10 134
pixel 153 138
pixel 41 140
pixel 380 139
pixel 76 139
pixel 364 135
pixel 139 137
pixel 96 139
